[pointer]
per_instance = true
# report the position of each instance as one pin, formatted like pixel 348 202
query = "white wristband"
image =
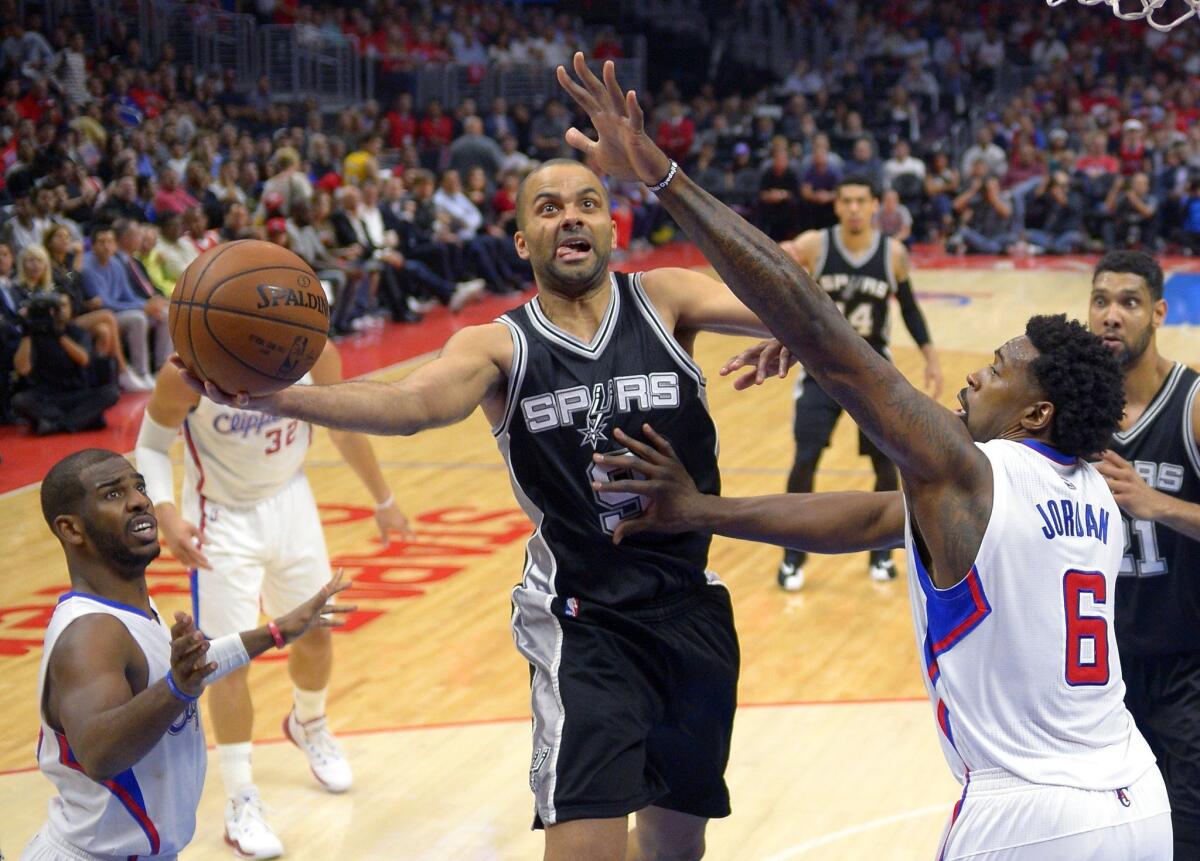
pixel 387 503
pixel 154 461
pixel 228 653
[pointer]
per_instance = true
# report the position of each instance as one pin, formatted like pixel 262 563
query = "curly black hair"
pixel 1083 381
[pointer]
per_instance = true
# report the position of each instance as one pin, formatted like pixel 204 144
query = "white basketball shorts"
pixel 1004 818
pixel 48 845
pixel 272 552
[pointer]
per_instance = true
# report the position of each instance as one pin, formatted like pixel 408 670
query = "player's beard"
pixel 122 558
pixel 1133 350
pixel 573 282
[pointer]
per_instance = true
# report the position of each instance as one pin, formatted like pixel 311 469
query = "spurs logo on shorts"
pixel 539 759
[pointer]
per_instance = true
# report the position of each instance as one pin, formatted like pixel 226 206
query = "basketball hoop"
pixel 1146 13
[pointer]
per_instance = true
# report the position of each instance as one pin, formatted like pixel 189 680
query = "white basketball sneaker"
pixel 246 828
pixel 329 765
pixel 790 577
pixel 883 571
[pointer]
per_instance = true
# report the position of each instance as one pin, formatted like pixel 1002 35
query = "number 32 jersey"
pixel 1020 657
pixel 564 400
pixel 238 457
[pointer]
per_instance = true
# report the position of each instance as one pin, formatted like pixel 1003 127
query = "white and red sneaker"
pixel 329 765
pixel 246 828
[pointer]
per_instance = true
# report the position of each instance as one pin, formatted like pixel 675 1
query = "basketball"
pixel 250 316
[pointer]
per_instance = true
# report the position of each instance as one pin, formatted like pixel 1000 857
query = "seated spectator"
pixel 478 190
pixel 676 133
pixel 490 252
pixel 195 223
pixel 504 202
pixel 170 197
pixel 514 161
pixel 474 149
pixel 778 197
pixel 893 218
pixel 985 149
pixel 401 123
pixel 548 130
pixel 140 310
pixel 11 323
pixel 985 215
pixel 363 163
pixel 24 228
pixel 146 258
pixel 1053 216
pixel 746 180
pixel 1131 211
pixel 1189 228
pixel 64 386
pixel 225 188
pixel 305 240
pixel 174 250
pixel 864 162
pixel 942 185
pixel 121 201
pixel 434 133
pixel 903 164
pixel 66 263
pixel 818 189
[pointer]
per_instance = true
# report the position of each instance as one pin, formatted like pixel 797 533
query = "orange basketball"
pixel 250 316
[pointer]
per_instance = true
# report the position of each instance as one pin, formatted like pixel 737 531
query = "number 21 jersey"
pixel 564 400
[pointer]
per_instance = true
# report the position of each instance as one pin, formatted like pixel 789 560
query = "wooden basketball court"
pixel 834 754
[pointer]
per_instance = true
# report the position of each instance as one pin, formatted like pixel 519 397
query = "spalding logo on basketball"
pixel 250 316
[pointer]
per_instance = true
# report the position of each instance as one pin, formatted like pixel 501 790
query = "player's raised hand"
pixel 319 611
pixel 933 376
pixel 673 502
pixel 1136 498
pixel 189 664
pixel 765 359
pixel 624 150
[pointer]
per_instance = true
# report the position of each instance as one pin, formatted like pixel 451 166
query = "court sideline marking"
pixel 834 836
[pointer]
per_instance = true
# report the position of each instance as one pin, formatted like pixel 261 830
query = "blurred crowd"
pixel 1074 133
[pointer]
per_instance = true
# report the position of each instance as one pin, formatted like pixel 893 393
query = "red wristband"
pixel 275 635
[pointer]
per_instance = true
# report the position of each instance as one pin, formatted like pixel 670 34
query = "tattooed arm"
pixel 948 478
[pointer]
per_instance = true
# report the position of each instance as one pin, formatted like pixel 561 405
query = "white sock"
pixel 235 767
pixel 310 705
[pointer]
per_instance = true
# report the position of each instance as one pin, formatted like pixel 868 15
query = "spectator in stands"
pixel 1132 152
pixel 146 258
pixel 1189 228
pixel 818 189
pixel 121 202
pixel 547 131
pixel 676 133
pixel 984 149
pixel 24 228
pixel 894 219
pixel 450 216
pixel 434 133
pixel 140 310
pixel 942 185
pixel 778 197
pixel 514 160
pixel 174 250
pixel 170 197
pixel 475 149
pixel 197 231
pixel 305 240
pixel 401 123
pixel 985 215
pixel 1053 216
pixel 497 123
pixel 358 166
pixel 236 224
pixel 11 324
pixel 1131 210
pixel 864 162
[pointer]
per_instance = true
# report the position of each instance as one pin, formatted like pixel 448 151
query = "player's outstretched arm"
pixel 928 443
pixel 472 365
pixel 817 522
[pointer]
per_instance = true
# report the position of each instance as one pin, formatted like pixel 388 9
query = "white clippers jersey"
pixel 241 457
pixel 1020 657
pixel 147 810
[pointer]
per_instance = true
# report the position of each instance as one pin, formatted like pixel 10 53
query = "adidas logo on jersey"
pixel 564 408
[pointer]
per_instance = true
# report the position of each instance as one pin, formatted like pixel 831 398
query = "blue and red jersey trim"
pixel 124 787
pixel 954 817
pixel 108 602
pixel 951 614
pixel 1050 452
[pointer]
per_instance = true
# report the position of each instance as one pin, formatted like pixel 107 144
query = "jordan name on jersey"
pixel 564 408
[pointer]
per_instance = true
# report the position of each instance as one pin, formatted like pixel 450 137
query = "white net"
pixel 1159 14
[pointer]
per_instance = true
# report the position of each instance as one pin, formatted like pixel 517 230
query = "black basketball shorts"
pixel 631 707
pixel 1163 695
pixel 815 416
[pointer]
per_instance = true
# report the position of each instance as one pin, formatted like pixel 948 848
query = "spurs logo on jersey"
pixel 860 285
pixel 1143 558
pixel 564 400
pixel 563 408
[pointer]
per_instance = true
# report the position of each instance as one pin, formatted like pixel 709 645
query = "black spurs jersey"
pixel 564 399
pixel 861 286
pixel 1158 593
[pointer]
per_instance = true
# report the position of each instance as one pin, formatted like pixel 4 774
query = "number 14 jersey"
pixel 1020 657
pixel 565 397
